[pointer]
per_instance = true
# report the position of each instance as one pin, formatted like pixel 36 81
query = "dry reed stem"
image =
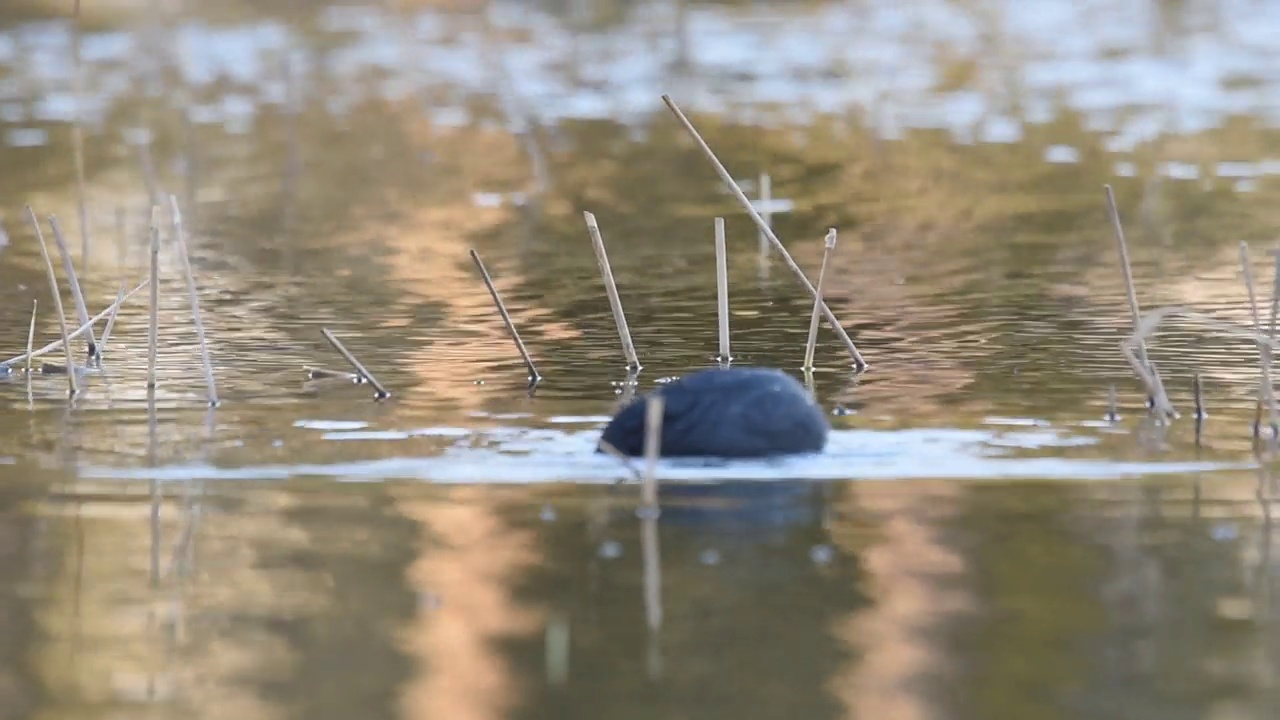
pixel 1113 411
pixel 1266 390
pixel 381 391
pixel 764 228
pixel 31 336
pixel 1151 378
pixel 111 324
pixel 82 312
pixel 615 301
pixel 57 344
pixel 534 377
pixel 57 302
pixel 653 409
pixel 153 327
pixel 184 259
pixel 722 292
pixel 829 245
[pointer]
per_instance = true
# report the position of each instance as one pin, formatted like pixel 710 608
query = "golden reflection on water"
pixel 464 578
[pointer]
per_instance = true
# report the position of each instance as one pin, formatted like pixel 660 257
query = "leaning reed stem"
pixel 766 200
pixel 506 317
pixel 72 387
pixel 184 259
pixel 381 392
pixel 82 312
pixel 764 228
pixel 31 336
pixel 57 344
pixel 829 245
pixel 1155 386
pixel 111 324
pixel 615 302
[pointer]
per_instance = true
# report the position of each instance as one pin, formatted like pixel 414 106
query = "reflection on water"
pixel 458 551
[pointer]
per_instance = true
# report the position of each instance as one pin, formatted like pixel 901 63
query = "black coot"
pixel 728 413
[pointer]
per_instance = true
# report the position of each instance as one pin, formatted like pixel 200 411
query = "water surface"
pixel 978 541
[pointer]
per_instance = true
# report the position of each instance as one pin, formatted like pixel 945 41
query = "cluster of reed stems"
pixel 1134 346
pixel 95 349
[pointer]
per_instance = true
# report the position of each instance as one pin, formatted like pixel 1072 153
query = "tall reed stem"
pixel 764 228
pixel 82 312
pixel 72 387
pixel 506 318
pixel 31 336
pixel 1158 398
pixel 829 244
pixel 722 292
pixel 615 302
pixel 184 259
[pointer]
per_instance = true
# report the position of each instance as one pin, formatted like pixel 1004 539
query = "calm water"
pixel 977 542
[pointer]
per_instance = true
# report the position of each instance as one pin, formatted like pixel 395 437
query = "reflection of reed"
pixel 649 512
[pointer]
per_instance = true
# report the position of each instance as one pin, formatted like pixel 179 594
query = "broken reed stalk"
pixel 380 391
pixel 829 245
pixel 615 302
pixel 180 235
pixel 653 409
pixel 57 344
pixel 764 228
pixel 1155 386
pixel 1266 391
pixel 82 312
pixel 31 335
pixel 153 326
pixel 57 302
pixel 722 292
pixel 506 317
pixel 111 323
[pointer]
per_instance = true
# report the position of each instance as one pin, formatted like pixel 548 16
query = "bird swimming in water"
pixel 727 413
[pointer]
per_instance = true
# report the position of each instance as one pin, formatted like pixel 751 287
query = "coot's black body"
pixel 727 413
